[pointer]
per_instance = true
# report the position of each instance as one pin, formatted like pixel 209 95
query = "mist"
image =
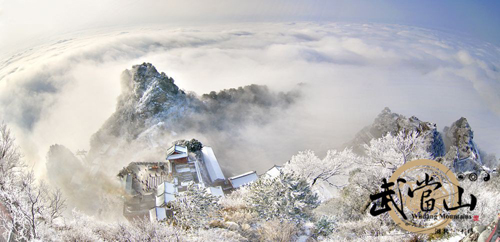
pixel 64 91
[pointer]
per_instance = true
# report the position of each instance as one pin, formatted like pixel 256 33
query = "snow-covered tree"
pixel 10 161
pixel 25 203
pixel 196 208
pixel 383 157
pixel 285 197
pixel 310 167
pixel 86 228
pixel 12 220
pixel 30 206
pixel 390 151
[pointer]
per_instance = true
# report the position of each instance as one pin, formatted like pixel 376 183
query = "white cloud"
pixel 63 91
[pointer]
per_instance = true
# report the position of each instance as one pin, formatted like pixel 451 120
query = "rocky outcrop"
pixel 455 144
pixel 147 97
pixel 461 147
pixel 389 122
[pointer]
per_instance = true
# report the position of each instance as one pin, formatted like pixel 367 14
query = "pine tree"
pixel 27 207
pixel 196 208
pixel 286 197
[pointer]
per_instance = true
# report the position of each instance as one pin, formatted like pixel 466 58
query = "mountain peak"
pixel 389 122
pixel 145 91
pixel 460 132
pixel 144 77
pixel 145 68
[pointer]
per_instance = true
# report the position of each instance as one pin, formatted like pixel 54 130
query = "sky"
pixel 25 22
pixel 60 63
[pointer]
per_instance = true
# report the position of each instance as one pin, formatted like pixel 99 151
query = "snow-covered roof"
pixel 273 172
pixel 212 164
pixel 177 156
pixel 243 175
pixel 166 187
pixel 198 172
pixel 164 199
pixel 158 214
pixel 216 191
pixel 243 179
pixel 177 149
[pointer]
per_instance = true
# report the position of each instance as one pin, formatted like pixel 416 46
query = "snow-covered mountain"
pixel 148 97
pixel 389 122
pixel 153 111
pixel 442 145
pixel 460 135
pixel 459 140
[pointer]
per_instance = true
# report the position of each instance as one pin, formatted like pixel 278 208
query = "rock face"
pixel 147 97
pixel 461 146
pixel 389 122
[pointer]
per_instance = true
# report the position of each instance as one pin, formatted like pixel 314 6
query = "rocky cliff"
pixel 454 144
pixel 389 122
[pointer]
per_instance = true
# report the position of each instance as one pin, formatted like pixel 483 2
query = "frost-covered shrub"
pixel 324 226
pixel 241 216
pixel 368 227
pixel 85 228
pixel 279 231
pixel 236 209
pixel 221 235
pixel 196 208
pixel 235 200
pixel 286 197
